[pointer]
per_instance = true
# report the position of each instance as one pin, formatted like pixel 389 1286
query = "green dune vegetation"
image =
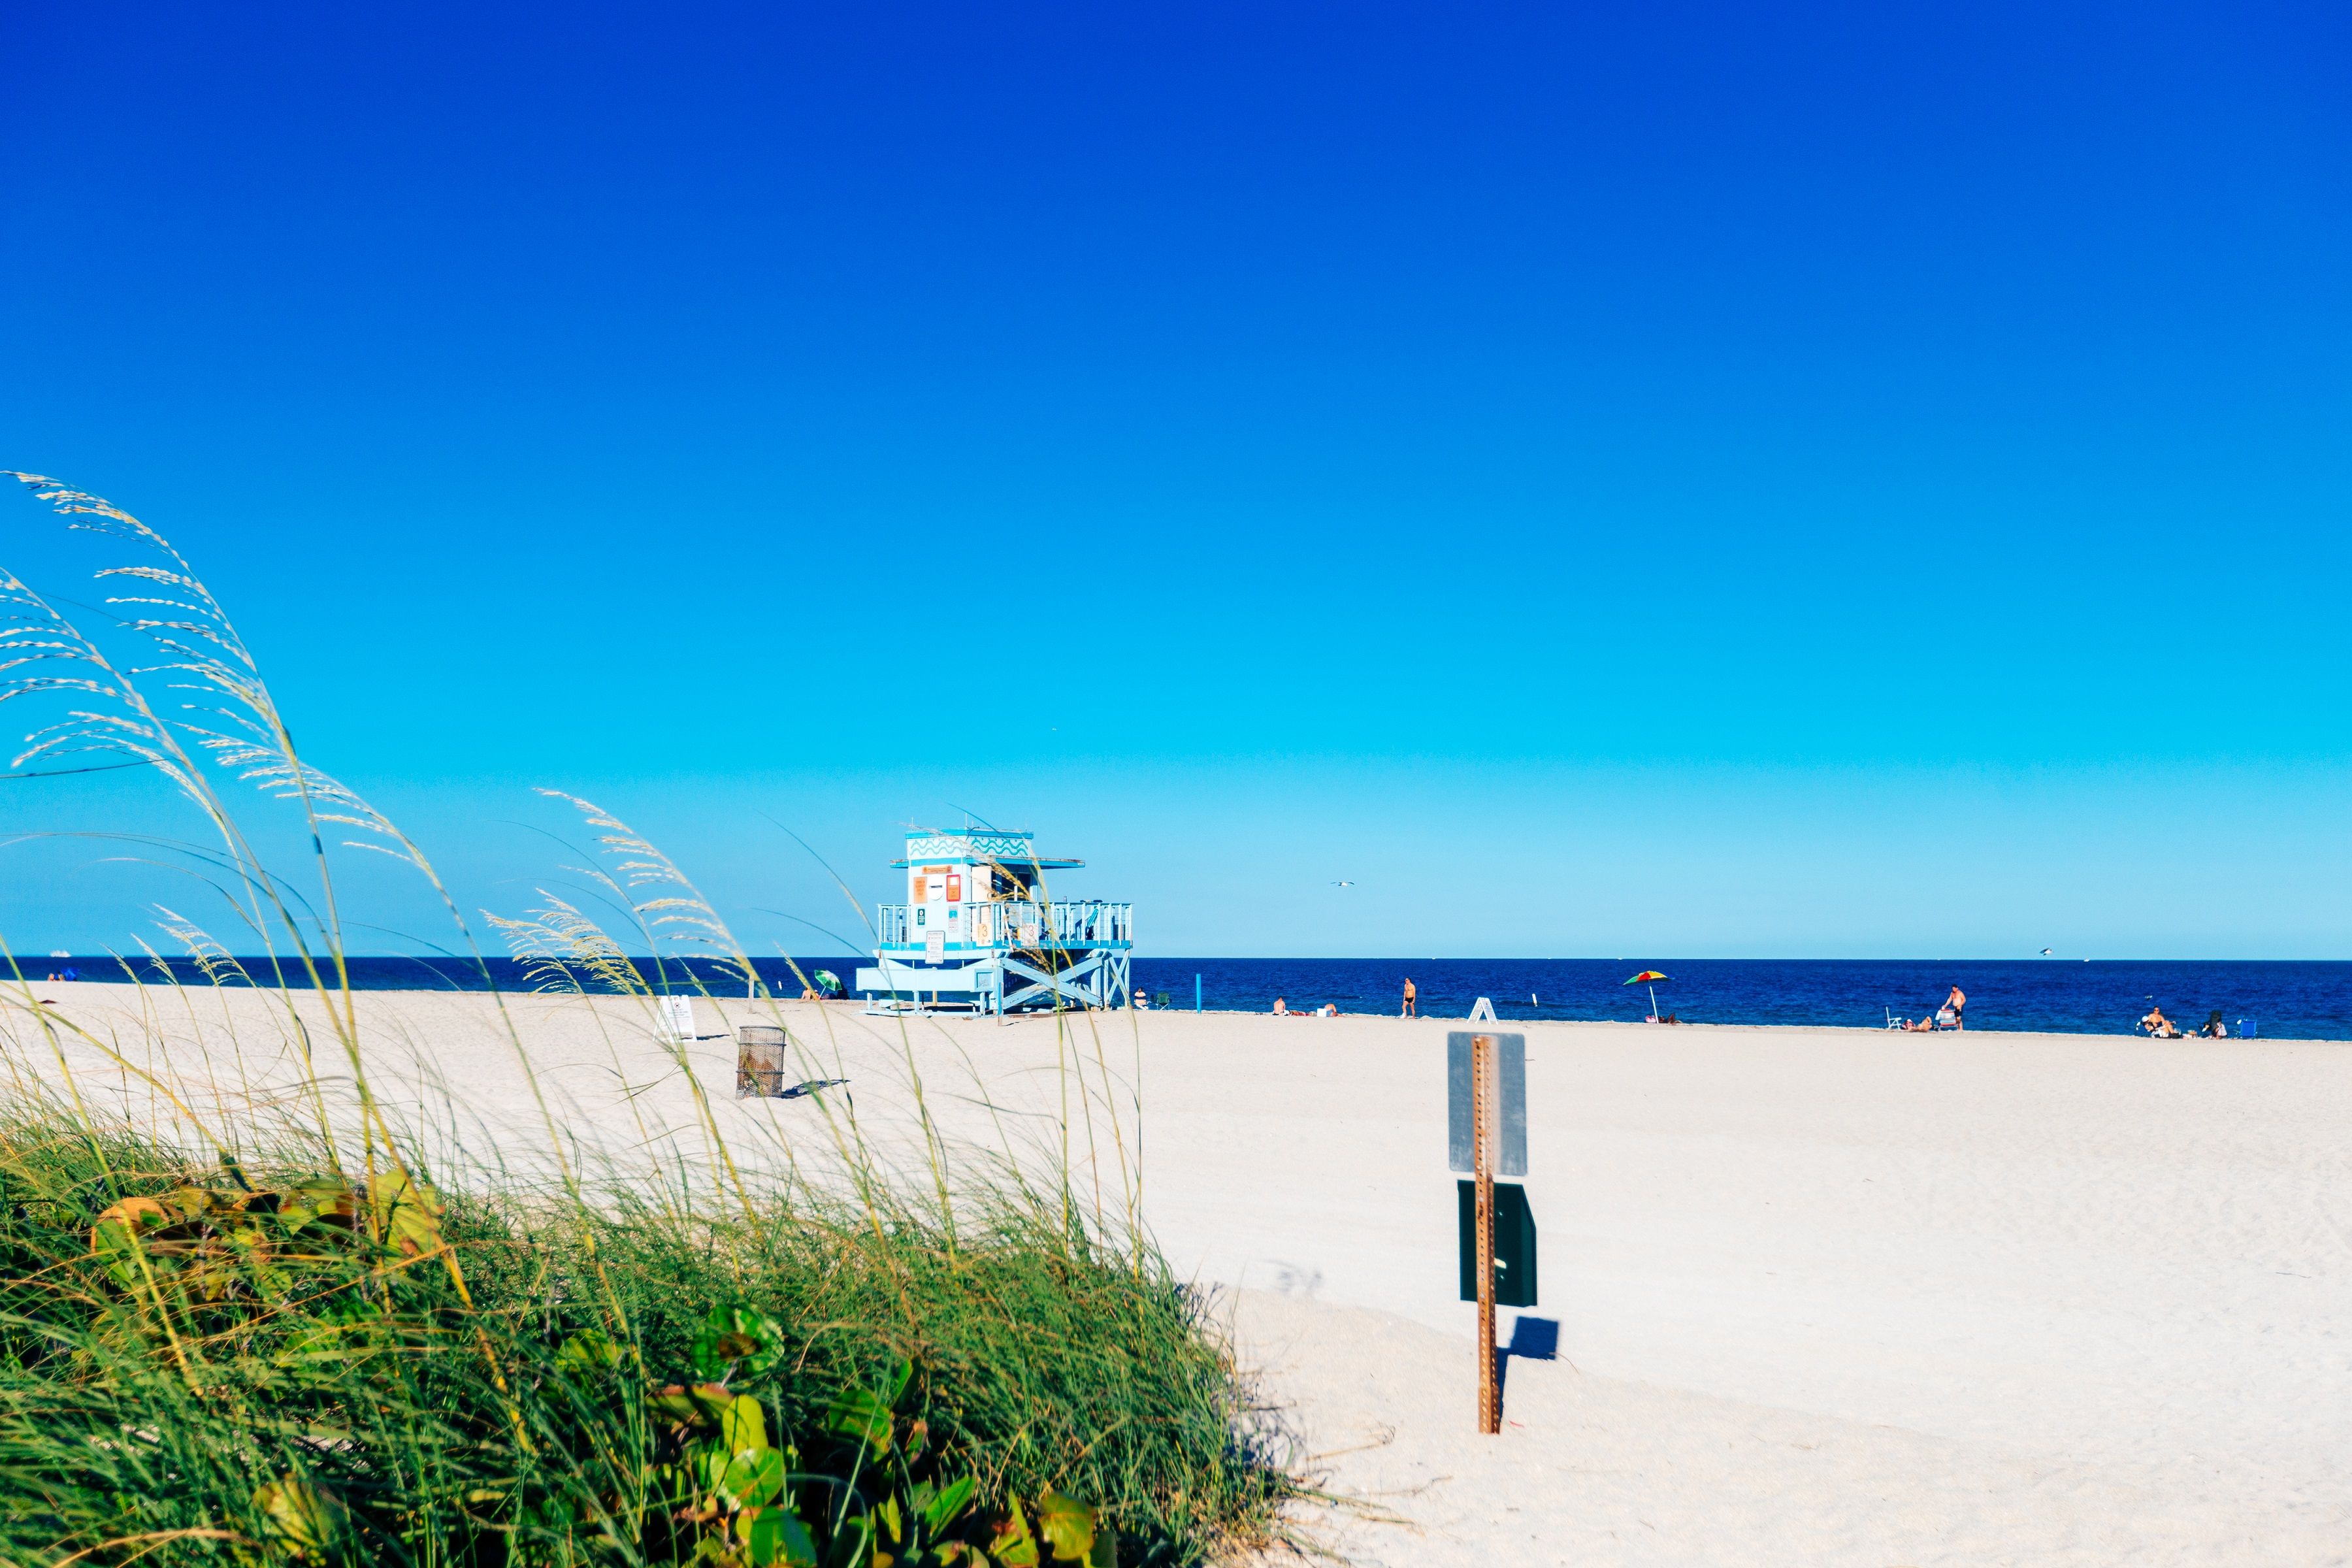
pixel 299 1331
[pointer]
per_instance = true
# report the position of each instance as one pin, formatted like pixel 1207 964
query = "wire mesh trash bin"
pixel 759 1062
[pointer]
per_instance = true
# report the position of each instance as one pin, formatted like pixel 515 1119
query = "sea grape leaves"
pixel 737 1341
pixel 775 1538
pixel 1068 1526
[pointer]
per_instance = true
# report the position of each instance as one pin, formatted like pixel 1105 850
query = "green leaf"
pixel 743 1426
pixel 775 1538
pixel 859 1415
pixel 1069 1525
pixel 1014 1545
pixel 737 1341
pixel 321 1200
pixel 853 1543
pixel 586 1355
pixel 409 1214
pixel 299 1518
pixel 754 1479
pixel 703 1405
pixel 114 1239
pixel 941 1510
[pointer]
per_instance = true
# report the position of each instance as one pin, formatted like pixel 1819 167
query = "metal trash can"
pixel 759 1062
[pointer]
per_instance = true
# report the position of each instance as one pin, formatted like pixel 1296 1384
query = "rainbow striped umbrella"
pixel 1649 977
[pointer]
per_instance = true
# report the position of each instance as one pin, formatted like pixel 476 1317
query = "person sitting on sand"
pixel 1921 1025
pixel 1329 1010
pixel 1282 1010
pixel 2159 1026
pixel 2214 1029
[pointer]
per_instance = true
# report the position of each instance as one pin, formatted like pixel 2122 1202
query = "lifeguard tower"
pixel 979 931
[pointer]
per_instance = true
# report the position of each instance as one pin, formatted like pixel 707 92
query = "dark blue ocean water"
pixel 2301 1000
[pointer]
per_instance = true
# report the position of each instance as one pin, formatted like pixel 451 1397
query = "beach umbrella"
pixel 1649 977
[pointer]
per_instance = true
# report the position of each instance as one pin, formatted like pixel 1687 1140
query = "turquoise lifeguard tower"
pixel 979 931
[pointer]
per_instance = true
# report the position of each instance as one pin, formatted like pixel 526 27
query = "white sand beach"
pixel 1822 1296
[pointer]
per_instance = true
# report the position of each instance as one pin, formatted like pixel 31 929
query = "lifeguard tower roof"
pixel 1013 851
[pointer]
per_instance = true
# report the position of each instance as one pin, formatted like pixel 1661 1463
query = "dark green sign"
pixel 1515 1243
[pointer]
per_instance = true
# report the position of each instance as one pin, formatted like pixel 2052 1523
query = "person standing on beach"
pixel 1409 995
pixel 1955 1001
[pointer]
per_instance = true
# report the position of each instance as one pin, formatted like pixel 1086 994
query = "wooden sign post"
pixel 1487 1132
pixel 1481 1080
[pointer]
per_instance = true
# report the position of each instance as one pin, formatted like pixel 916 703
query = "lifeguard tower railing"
pixel 1018 924
pixel 1002 956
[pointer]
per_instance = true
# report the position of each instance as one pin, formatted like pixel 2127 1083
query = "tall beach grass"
pixel 255 1309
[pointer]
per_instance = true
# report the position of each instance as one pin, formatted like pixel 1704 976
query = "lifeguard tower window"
pixel 1007 946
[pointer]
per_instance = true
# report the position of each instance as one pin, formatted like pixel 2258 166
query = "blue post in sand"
pixel 1196 993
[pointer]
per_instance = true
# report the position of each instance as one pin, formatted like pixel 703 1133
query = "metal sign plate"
pixel 1515 1243
pixel 1511 1071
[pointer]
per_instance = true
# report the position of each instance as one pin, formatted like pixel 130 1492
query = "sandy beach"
pixel 1822 1296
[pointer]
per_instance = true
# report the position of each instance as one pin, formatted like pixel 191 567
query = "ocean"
pixel 2288 999
pixel 2301 1000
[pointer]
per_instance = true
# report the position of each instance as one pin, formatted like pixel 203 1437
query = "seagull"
pixel 2045 953
pixel 1343 884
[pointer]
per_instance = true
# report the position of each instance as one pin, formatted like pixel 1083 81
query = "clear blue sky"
pixel 1605 480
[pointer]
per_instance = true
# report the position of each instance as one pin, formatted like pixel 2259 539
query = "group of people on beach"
pixel 2156 1025
pixel 1283 1009
pixel 1951 1016
pixel 1948 1016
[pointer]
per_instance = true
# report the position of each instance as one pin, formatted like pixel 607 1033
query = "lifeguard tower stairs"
pixel 978 931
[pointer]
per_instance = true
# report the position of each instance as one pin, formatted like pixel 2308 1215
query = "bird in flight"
pixel 2045 953
pixel 1343 884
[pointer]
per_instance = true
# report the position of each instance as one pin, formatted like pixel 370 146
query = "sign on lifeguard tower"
pixel 979 931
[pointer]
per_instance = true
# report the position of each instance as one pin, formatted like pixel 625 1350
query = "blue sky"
pixel 1603 479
